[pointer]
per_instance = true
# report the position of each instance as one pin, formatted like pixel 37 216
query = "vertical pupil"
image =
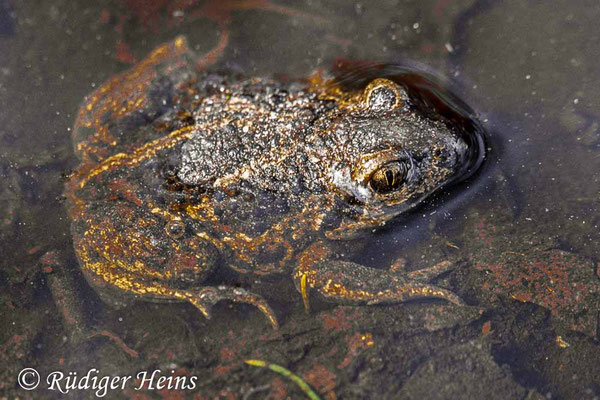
pixel 389 176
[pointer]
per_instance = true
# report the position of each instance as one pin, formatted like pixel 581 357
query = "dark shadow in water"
pixel 7 18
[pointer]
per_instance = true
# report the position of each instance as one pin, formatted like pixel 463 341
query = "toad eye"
pixel 389 177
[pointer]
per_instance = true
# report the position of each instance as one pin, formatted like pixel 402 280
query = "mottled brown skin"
pixel 183 173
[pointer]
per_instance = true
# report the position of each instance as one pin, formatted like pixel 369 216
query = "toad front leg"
pixel 352 283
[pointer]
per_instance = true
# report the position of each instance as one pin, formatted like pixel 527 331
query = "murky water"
pixel 522 234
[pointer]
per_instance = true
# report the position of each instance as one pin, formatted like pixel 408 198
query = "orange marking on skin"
pixel 308 259
pixel 121 95
pixel 139 154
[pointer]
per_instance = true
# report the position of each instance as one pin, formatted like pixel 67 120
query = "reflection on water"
pixel 522 233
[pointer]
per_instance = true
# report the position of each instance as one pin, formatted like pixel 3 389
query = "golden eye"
pixel 175 229
pixel 389 177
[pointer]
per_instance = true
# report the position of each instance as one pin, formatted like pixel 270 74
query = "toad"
pixel 184 172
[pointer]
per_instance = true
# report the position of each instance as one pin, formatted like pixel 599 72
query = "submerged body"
pixel 183 173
